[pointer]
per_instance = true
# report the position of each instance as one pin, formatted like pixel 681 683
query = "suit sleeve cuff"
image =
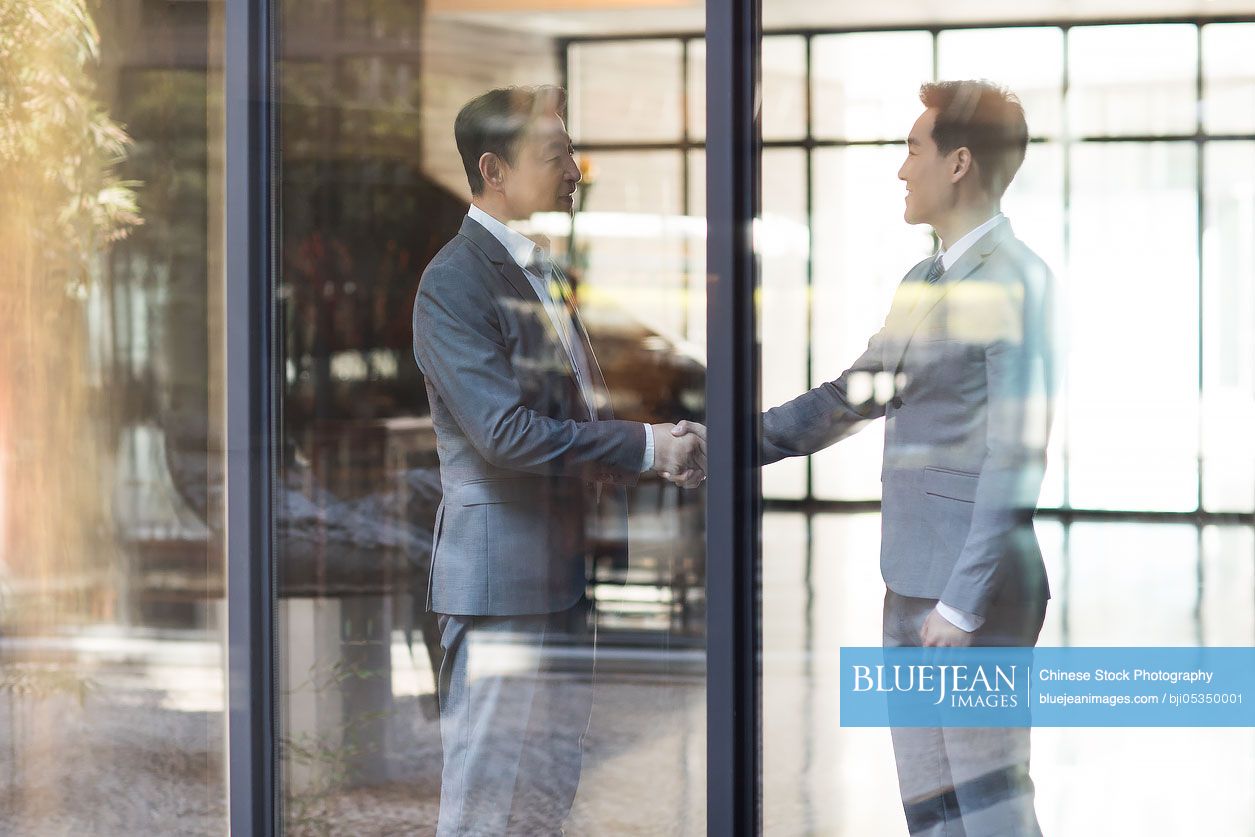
pixel 647 462
pixel 961 619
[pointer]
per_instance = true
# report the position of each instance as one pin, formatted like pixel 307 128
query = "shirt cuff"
pixel 647 463
pixel 961 619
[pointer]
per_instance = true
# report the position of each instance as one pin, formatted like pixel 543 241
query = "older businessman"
pixel 528 448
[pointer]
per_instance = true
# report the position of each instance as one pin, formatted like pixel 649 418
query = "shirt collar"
pixel 519 246
pixel 956 251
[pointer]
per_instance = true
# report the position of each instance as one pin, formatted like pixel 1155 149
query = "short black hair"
pixel 984 118
pixel 496 120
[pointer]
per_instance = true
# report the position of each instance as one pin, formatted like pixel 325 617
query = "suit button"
pixel 896 403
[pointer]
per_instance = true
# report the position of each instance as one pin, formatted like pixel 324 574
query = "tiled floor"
pixel 1116 584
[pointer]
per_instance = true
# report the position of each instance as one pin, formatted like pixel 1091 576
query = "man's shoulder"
pixel 456 263
pixel 1017 261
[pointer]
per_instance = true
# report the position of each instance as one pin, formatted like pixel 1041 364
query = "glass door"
pixel 490 605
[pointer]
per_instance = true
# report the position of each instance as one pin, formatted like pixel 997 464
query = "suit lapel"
pixel 522 287
pixel 598 383
pixel 930 296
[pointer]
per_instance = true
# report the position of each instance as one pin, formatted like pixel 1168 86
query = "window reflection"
pixel 852 104
pixel 111 563
pixel 599 111
pixel 1229 78
pixel 372 188
pixel 1228 339
pixel 784 246
pixel 1028 60
pixel 858 216
pixel 783 81
pixel 1133 328
pixel 1136 80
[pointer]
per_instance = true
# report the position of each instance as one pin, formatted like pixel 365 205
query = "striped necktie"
pixel 934 271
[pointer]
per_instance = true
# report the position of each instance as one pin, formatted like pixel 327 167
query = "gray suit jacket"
pixel 973 367
pixel 519 452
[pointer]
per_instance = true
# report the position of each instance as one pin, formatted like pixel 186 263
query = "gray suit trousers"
pixel 965 782
pixel 511 726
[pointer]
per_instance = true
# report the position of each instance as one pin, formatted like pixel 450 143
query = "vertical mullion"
pixel 1201 219
pixel 809 150
pixel 686 208
pixel 734 498
pixel 1200 173
pixel 249 410
pixel 1062 418
pixel 1065 131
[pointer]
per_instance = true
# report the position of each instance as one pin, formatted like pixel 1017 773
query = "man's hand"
pixel 679 454
pixel 938 632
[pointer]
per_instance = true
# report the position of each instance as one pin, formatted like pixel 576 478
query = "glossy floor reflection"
pixel 1113 584
pixel 644 765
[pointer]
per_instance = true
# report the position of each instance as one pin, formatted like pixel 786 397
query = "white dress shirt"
pixel 961 618
pixel 531 257
pixel 956 251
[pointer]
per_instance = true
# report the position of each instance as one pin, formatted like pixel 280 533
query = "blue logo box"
pixel 1048 687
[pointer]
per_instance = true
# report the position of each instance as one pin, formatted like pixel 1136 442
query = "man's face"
pixel 544 173
pixel 928 174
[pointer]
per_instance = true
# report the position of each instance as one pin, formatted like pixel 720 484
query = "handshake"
pixel 680 453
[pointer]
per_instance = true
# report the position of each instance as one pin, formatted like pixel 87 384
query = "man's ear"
pixel 491 169
pixel 960 163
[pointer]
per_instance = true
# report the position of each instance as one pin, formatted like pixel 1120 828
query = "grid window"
pixel 1029 61
pixel 1229 339
pixel 1133 327
pixel 604 109
pixel 862 251
pixel 1159 315
pixel 1229 78
pixel 1132 80
pixel 864 85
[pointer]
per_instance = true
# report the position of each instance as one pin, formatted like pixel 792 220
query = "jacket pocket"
pixel 953 485
pixel 489 492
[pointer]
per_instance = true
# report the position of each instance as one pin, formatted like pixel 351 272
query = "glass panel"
pixel 547 539
pixel 820 583
pixel 695 250
pixel 1124 248
pixel 1228 577
pixel 1133 340
pixel 1132 80
pixel 858 218
pixel 1157 566
pixel 819 599
pixel 112 616
pixel 1165 598
pixel 1229 78
pixel 784 88
pixel 784 248
pixel 1229 328
pixel 1034 205
pixel 1028 61
pixel 632 225
pixel 850 103
pixel 697 90
pixel 604 109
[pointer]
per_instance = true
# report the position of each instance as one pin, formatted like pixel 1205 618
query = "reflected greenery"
pixel 63 205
